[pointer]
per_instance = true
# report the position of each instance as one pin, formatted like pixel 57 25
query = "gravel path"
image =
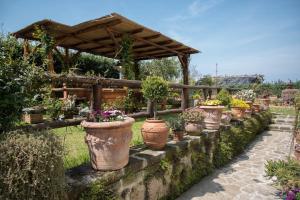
pixel 244 178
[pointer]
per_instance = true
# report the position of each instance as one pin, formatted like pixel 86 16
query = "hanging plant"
pixel 126 58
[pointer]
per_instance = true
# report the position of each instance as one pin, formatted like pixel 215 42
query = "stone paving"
pixel 244 178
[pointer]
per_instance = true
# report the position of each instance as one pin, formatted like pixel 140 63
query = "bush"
pixel 234 140
pixel 19 82
pixel 31 166
pixel 224 97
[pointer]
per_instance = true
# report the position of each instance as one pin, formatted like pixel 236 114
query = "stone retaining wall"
pixel 151 174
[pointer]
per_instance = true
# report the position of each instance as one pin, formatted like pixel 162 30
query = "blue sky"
pixel 242 36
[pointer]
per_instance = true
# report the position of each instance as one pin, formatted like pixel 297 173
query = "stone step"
pixel 283 121
pixel 281 127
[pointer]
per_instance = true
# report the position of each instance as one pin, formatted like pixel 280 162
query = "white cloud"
pixel 194 9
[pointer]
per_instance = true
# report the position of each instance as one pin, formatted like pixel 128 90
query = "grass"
pixel 76 151
pixel 285 110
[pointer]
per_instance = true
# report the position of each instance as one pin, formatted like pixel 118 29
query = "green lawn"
pixel 285 110
pixel 76 149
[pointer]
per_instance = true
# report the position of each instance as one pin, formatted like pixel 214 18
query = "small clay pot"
pixel 178 135
pixel 193 129
pixel 238 112
pixel 256 108
pixel 155 133
pixel 226 117
pixel 265 103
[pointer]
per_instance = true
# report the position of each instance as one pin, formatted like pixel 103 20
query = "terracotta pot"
pixel 108 143
pixel 238 112
pixel 249 110
pixel 193 128
pixel 155 133
pixel 178 135
pixel 212 116
pixel 265 103
pixel 256 108
pixel 226 117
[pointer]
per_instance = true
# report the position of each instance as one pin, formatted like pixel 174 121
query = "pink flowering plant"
pixel 106 116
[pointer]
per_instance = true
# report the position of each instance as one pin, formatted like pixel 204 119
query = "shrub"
pixel 234 140
pixel 19 82
pixel 155 89
pixel 31 166
pixel 224 97
pixel 193 116
pixel 176 124
pixel 288 175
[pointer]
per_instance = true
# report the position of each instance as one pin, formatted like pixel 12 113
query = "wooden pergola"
pixel 103 36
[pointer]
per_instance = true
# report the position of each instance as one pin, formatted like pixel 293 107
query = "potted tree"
pixel 108 135
pixel 177 127
pixel 193 121
pixel 212 111
pixel 154 130
pixel 238 108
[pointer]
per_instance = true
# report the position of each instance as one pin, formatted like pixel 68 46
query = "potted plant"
pixel 212 111
pixel 248 96
pixel 238 108
pixel 33 115
pixel 177 127
pixel 69 107
pixel 197 98
pixel 225 98
pixel 154 130
pixel 193 121
pixel 108 135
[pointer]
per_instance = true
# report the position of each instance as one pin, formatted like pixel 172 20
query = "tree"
pixel 167 68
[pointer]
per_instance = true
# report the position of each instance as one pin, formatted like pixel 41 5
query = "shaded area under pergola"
pixel 103 36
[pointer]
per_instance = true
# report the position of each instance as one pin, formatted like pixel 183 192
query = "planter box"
pixel 33 118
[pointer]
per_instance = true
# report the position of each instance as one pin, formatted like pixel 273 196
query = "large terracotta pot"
pixel 250 104
pixel 226 117
pixel 238 112
pixel 256 108
pixel 212 116
pixel 155 133
pixel 193 128
pixel 108 143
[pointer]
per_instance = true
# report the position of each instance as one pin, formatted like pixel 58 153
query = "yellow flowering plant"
pixel 212 103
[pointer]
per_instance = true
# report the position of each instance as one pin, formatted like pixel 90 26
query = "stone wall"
pixel 153 174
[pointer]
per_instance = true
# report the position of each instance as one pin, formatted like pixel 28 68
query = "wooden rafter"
pixel 91 28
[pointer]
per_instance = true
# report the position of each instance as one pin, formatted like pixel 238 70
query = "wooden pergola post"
pixel 50 62
pixel 96 97
pixel 184 60
pixel 136 70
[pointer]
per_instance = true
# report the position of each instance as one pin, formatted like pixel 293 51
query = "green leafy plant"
pixel 176 124
pixel 287 173
pixel 193 116
pixel 155 89
pixel 197 95
pixel 31 166
pixel 212 103
pixel 20 81
pixel 126 57
pixel 224 97
pixel 239 103
pixel 54 108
